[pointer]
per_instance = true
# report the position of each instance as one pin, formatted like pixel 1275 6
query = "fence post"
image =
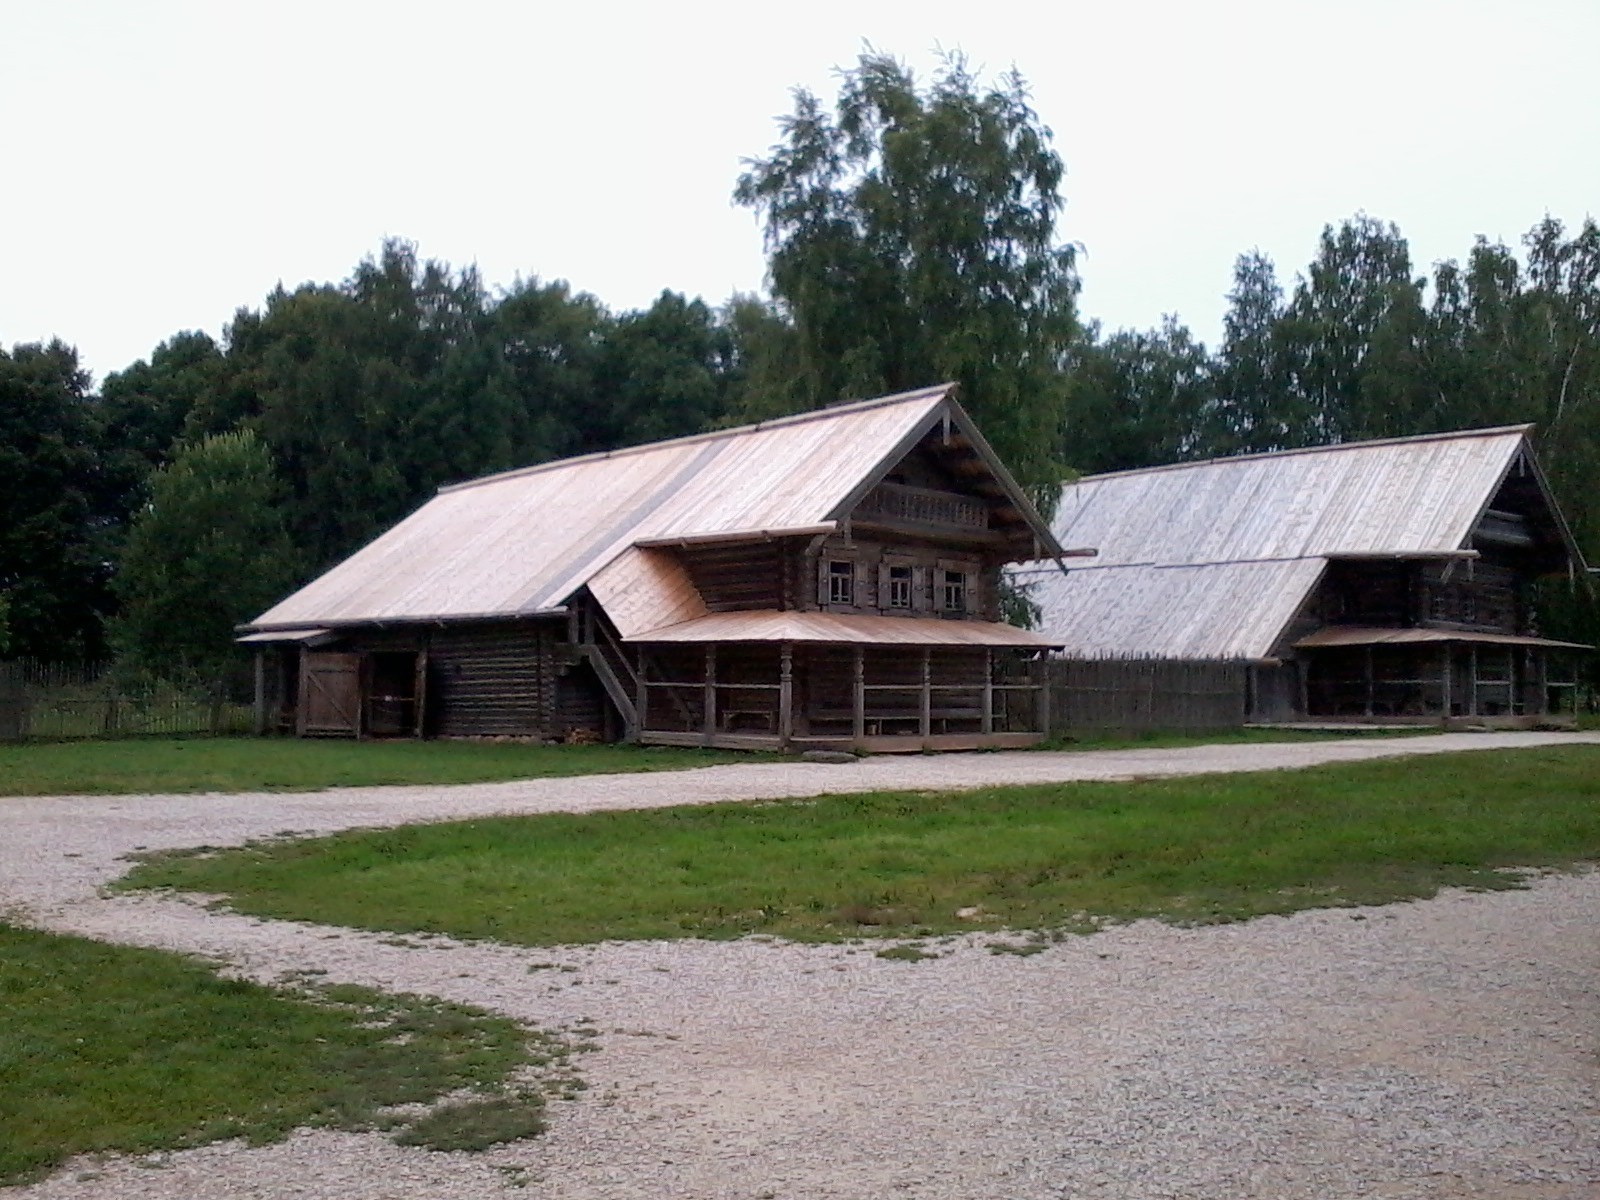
pixel 108 722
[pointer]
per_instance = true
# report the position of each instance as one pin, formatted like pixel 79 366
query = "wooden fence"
pixel 1137 694
pixel 88 700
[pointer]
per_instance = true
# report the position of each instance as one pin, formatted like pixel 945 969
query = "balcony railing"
pixel 924 506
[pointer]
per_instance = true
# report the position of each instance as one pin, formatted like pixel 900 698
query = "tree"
pixel 1350 339
pixel 663 371
pixel 1254 409
pixel 208 552
pixel 1137 399
pixel 912 239
pixel 54 542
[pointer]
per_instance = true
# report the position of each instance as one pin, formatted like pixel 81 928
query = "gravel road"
pixel 1438 1049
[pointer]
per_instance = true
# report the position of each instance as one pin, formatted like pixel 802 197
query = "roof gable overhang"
pixel 951 420
pixel 1525 460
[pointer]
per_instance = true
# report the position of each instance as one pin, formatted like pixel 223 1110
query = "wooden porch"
pixel 877 699
pixel 1428 676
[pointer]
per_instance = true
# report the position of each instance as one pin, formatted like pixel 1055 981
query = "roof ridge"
pixel 1332 447
pixel 938 391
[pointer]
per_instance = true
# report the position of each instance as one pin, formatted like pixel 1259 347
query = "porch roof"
pixel 297 636
pixel 1359 635
pixel 770 626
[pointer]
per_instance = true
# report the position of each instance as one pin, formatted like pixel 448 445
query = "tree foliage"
pixel 54 542
pixel 209 550
pixel 911 234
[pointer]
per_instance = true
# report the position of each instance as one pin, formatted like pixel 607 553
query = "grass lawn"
pixel 1049 857
pixel 108 1048
pixel 203 764
pixel 1159 739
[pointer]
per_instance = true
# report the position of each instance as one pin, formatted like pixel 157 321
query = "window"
pixel 954 591
pixel 841 582
pixel 900 587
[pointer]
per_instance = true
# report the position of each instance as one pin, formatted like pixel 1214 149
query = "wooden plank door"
pixel 330 695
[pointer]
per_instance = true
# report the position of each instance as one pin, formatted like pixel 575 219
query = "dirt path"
pixel 1438 1049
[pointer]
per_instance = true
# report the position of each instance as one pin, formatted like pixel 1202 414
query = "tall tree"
pixel 1254 408
pixel 1349 337
pixel 53 506
pixel 209 551
pixel 912 238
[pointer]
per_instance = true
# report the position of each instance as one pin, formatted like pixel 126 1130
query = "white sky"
pixel 167 162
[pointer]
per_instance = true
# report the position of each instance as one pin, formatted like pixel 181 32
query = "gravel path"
pixel 1437 1049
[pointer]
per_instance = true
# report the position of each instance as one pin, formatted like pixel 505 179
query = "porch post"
pixel 1371 683
pixel 709 698
pixel 1542 697
pixel 988 691
pixel 260 720
pixel 786 694
pixel 641 698
pixel 1444 678
pixel 1472 694
pixel 925 724
pixel 859 694
pixel 1041 669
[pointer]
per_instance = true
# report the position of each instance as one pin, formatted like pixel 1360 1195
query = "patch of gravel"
pixel 1425 1050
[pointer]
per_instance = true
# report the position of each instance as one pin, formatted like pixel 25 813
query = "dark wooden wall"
pixel 1487 595
pixel 745 575
pixel 485 679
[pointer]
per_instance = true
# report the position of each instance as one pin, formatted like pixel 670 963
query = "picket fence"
pixel 1131 695
pixel 88 700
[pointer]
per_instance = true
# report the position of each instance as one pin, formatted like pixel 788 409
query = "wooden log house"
pixel 1385 581
pixel 829 580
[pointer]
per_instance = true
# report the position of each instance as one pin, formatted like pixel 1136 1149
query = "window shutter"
pixel 822 583
pixel 922 588
pixel 864 597
pixel 884 590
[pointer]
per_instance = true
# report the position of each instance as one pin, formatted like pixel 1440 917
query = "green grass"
pixel 904 863
pixel 108 1048
pixel 297 765
pixel 1160 739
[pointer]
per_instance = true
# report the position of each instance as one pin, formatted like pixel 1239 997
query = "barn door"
pixel 330 695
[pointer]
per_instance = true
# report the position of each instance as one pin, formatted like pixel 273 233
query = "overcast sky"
pixel 169 161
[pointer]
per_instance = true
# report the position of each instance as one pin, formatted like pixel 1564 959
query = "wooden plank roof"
pixel 1213 559
pixel 522 542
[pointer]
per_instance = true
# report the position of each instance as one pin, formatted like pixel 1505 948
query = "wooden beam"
pixel 1042 666
pixel 642 703
pixel 709 701
pixel 259 721
pixel 859 696
pixel 1472 682
pixel 1372 683
pixel 925 717
pixel 785 694
pixel 988 690
pixel 1445 678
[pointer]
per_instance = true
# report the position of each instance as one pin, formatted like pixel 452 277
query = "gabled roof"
pixel 1214 559
pixel 522 542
